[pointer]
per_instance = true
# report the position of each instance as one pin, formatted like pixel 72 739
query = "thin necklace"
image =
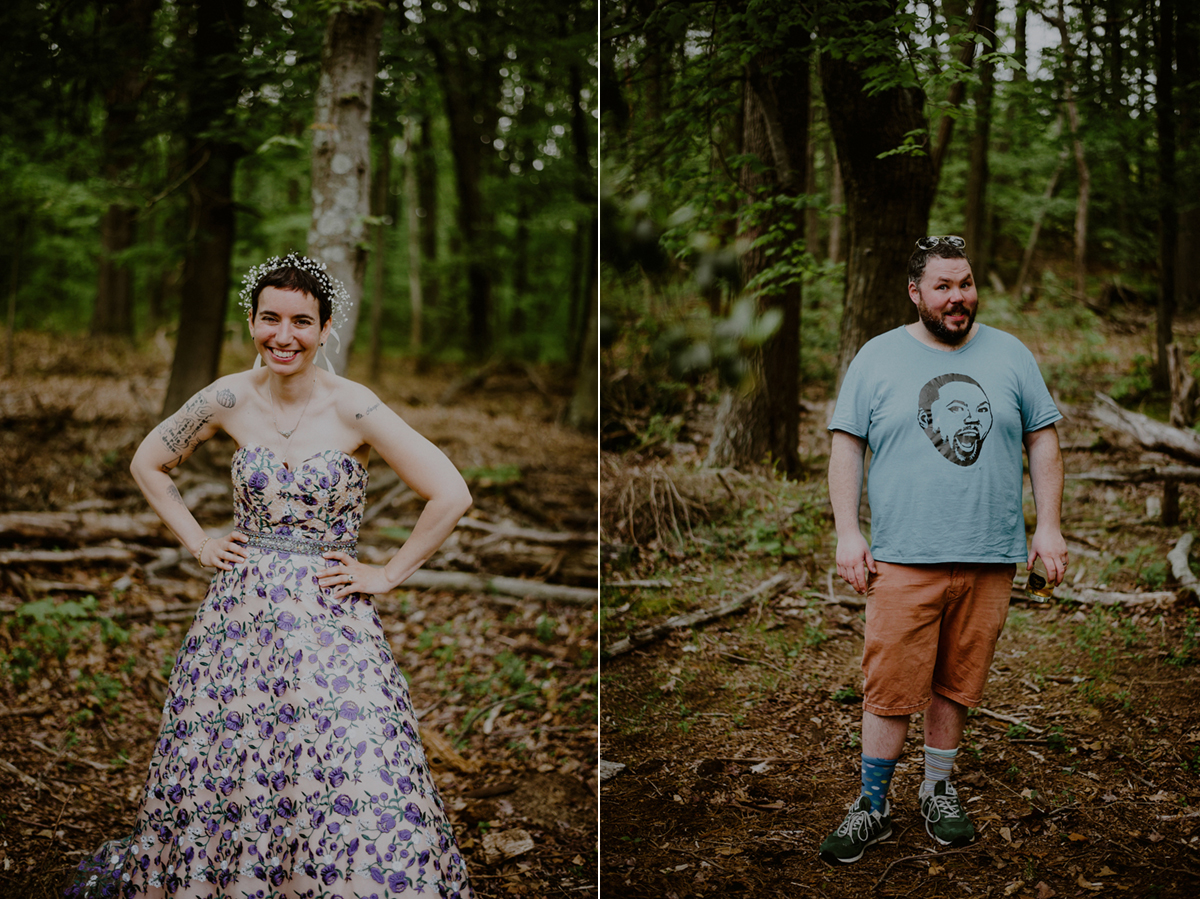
pixel 287 435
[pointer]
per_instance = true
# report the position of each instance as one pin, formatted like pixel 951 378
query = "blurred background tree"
pixel 153 150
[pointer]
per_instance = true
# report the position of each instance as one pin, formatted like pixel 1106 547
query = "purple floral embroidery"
pixel 257 709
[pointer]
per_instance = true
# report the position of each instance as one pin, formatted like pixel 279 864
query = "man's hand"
pixel 854 561
pixel 1050 545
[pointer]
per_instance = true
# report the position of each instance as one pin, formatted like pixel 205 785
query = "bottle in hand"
pixel 1039 586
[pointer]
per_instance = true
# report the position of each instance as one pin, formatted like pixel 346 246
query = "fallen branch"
pixel 1177 442
pixel 645 585
pixel 31 710
pixel 915 858
pixel 766 589
pixel 70 757
pixel 1009 719
pixel 1178 557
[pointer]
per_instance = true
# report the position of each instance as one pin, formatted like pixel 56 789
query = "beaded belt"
pixel 289 544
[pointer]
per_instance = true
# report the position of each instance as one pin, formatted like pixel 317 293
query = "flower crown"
pixel 338 295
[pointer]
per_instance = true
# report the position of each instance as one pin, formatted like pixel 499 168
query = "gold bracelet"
pixel 200 552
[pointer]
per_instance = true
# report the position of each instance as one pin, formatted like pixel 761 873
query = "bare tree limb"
pixel 766 589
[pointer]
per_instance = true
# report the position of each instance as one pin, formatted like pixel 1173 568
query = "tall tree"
pixel 888 194
pixel 341 155
pixel 1083 201
pixel 975 227
pixel 213 149
pixel 764 421
pixel 1187 58
pixel 125 32
pixel 1168 233
pixel 468 62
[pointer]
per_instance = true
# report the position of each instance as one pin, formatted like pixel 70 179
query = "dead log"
pixel 399 491
pixel 1183 387
pixel 1178 557
pixel 1163 438
pixel 1183 474
pixel 465 582
pixel 1107 598
pixel 506 844
pixel 78 528
pixel 766 589
pixel 529 535
pixel 66 557
pixel 577 565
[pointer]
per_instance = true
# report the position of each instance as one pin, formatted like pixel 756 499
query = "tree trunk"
pixel 380 191
pixel 1168 230
pixel 468 89
pixel 583 412
pixel 1187 60
pixel 1031 244
pixel 427 182
pixel 812 214
pixel 126 25
pixel 204 290
pixel 837 198
pixel 14 283
pixel 341 157
pixel 1081 165
pixel 958 90
pixel 763 421
pixel 975 230
pixel 887 199
pixel 416 296
pixel 113 313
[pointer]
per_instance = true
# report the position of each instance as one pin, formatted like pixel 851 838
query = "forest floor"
pixel 505 686
pixel 740 737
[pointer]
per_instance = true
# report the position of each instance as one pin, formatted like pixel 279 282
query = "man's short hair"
pixel 916 262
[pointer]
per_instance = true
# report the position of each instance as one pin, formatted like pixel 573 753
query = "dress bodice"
pixel 320 498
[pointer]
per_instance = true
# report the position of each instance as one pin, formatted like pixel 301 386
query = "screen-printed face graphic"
pixel 956 416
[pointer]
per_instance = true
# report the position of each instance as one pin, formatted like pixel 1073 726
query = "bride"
pixel 288 761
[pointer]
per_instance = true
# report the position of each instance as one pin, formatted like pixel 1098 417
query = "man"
pixel 946 405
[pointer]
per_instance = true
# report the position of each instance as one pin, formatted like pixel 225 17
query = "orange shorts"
pixel 932 627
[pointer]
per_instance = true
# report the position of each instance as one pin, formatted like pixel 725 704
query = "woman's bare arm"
pixel 164 449
pixel 429 473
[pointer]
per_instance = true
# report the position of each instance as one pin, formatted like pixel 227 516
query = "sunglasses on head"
pixel 928 243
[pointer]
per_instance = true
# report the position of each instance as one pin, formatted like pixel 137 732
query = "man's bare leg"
pixel 883 736
pixel 944 723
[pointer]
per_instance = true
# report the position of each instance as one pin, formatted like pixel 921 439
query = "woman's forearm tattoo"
pixel 179 431
pixel 173 492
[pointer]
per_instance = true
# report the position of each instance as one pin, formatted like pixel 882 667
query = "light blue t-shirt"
pixel 945 431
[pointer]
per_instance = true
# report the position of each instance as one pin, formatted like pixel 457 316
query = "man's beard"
pixel 937 326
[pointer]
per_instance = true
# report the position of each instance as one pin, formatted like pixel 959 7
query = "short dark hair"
pixel 933 389
pixel 916 262
pixel 289 277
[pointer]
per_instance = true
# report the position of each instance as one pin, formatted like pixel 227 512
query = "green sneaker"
pixel 945 819
pixel 863 827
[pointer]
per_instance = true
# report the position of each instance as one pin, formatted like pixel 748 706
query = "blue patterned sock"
pixel 938 765
pixel 876 778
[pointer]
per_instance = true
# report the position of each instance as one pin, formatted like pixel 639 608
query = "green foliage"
pixel 1133 386
pixel 1185 653
pixel 44 632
